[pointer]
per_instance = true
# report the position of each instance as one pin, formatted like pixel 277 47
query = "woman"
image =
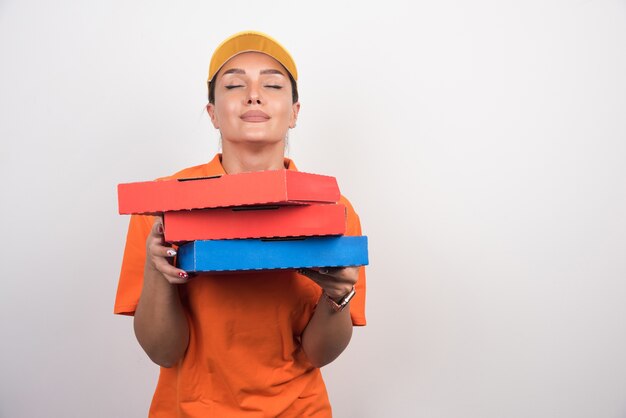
pixel 246 344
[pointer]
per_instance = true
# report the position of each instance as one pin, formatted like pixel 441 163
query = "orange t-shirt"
pixel 244 357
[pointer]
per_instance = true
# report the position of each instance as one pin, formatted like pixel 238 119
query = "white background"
pixel 482 143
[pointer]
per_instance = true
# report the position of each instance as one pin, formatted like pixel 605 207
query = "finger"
pixel 311 274
pixel 333 285
pixel 324 274
pixel 157 227
pixel 345 274
pixel 160 250
pixel 176 279
pixel 172 274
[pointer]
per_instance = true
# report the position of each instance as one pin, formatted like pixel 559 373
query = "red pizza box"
pixel 255 222
pixel 282 187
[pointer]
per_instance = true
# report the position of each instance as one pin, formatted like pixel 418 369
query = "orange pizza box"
pixel 255 222
pixel 282 187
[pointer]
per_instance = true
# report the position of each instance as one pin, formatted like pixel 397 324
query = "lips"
pixel 255 116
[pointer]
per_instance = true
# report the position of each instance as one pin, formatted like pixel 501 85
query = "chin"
pixel 258 139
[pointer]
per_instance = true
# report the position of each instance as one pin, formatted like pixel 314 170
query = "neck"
pixel 242 158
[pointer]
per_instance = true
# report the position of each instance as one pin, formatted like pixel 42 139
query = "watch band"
pixel 343 302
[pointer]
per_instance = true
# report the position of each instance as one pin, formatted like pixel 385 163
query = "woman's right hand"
pixel 159 255
pixel 160 323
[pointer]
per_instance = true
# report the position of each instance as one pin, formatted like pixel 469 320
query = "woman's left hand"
pixel 335 281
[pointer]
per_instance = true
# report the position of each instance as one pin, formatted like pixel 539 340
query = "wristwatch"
pixel 342 303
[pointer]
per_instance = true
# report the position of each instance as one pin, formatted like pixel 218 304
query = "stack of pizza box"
pixel 280 219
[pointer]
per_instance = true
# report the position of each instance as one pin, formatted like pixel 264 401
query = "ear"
pixel 295 108
pixel 210 109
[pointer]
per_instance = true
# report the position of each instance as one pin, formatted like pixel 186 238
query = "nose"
pixel 253 95
pixel 254 99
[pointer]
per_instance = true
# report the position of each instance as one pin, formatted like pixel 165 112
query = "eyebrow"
pixel 241 71
pixel 272 71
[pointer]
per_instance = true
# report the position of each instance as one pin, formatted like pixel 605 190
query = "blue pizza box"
pixel 262 254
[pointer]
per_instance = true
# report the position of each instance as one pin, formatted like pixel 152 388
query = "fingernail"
pixel 171 253
pixel 324 271
pixel 183 275
pixel 160 228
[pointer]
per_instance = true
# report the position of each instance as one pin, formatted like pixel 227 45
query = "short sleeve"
pixel 357 305
pixel 131 274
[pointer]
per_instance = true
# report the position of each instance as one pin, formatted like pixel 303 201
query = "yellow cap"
pixel 251 41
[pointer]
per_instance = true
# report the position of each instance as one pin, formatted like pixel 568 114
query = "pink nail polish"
pixel 183 275
pixel 171 253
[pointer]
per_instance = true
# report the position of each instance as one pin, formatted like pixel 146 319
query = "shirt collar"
pixel 215 168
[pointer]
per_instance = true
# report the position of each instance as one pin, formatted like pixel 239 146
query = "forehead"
pixel 253 62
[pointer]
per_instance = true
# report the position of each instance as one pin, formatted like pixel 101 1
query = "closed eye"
pixel 274 86
pixel 233 86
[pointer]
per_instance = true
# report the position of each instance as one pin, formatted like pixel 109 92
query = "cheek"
pixel 225 111
pixel 284 109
